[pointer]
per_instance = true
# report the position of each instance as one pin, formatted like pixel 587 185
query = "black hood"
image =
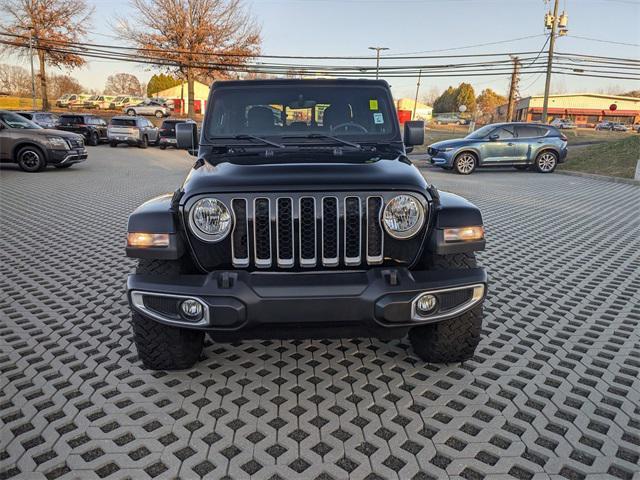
pixel 267 177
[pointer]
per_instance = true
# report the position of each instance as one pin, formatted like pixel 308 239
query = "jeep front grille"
pixel 307 230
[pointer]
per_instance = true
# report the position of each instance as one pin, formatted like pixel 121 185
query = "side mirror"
pixel 187 137
pixel 413 133
pixel 494 137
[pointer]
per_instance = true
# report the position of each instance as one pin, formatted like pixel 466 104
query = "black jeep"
pixel 303 218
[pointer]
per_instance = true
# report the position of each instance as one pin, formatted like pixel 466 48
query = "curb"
pixel 604 178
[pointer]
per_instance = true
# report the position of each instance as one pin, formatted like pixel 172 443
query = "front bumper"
pixel 67 157
pixel 168 141
pixel 380 298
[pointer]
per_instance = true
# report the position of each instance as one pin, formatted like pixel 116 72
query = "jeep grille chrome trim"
pixel 307 236
pixel 352 231
pixel 262 232
pixel 309 229
pixel 240 233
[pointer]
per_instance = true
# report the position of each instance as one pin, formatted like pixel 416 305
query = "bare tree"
pixel 51 23
pixel 60 84
pixel 122 83
pixel 190 35
pixel 15 80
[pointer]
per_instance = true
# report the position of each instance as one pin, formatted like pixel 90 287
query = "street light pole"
pixel 415 102
pixel 552 42
pixel 378 49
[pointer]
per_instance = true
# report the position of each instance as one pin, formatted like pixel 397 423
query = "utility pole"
pixel 513 88
pixel 33 77
pixel 415 102
pixel 552 42
pixel 378 49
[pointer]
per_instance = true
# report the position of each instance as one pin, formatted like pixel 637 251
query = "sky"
pixel 349 27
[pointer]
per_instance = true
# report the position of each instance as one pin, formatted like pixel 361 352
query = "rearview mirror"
pixel 187 137
pixel 413 133
pixel 493 137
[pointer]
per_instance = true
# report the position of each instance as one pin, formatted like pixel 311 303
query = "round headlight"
pixel 210 220
pixel 403 217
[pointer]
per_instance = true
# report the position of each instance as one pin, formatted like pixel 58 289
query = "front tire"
pixel 131 112
pixel 31 159
pixel 159 114
pixel 164 347
pixel 113 144
pixel 455 339
pixel 93 139
pixel 465 163
pixel 546 162
pixel 144 143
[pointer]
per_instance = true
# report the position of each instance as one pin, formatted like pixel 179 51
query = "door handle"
pixel 510 144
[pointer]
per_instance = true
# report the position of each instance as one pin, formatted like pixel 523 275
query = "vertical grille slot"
pixel 240 239
pixel 262 232
pixel 284 239
pixel 330 232
pixel 374 231
pixel 352 230
pixel 308 232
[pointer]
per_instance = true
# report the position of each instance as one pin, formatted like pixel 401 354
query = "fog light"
pixel 191 309
pixel 426 304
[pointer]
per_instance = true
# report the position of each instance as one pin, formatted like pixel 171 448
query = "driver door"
pixel 501 149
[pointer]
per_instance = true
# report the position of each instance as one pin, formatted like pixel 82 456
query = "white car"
pixel 149 108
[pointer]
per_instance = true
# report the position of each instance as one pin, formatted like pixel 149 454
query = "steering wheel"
pixel 347 125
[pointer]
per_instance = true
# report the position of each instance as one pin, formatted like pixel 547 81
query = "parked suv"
pixel 43 119
pixel 91 127
pixel 523 145
pixel 168 132
pixel 450 118
pixel 312 223
pixel 33 147
pixel 136 131
pixel 148 108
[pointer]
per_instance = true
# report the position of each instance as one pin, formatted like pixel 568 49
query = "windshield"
pixel 298 110
pixel 13 120
pixel 482 132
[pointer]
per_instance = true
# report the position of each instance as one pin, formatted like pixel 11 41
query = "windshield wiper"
pixel 246 136
pixel 330 137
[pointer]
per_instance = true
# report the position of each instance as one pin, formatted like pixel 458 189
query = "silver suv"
pixel 137 131
pixel 149 108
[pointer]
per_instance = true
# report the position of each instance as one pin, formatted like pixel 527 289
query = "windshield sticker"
pixel 378 119
pixel 373 104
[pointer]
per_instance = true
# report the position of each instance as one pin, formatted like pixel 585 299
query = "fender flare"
pixel 453 211
pixel 157 215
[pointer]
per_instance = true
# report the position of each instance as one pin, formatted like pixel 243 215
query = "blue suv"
pixel 521 145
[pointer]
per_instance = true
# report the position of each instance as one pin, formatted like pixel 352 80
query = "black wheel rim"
pixel 30 159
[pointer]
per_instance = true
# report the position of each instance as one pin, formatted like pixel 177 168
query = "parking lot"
pixel 553 392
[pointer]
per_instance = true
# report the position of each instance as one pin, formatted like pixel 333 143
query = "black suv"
pixel 91 127
pixel 168 132
pixel 303 217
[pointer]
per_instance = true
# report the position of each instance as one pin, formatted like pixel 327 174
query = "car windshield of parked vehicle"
pixel 302 111
pixel 123 122
pixel 13 120
pixel 482 132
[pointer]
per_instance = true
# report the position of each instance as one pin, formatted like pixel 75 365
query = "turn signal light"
pixel 464 234
pixel 145 240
